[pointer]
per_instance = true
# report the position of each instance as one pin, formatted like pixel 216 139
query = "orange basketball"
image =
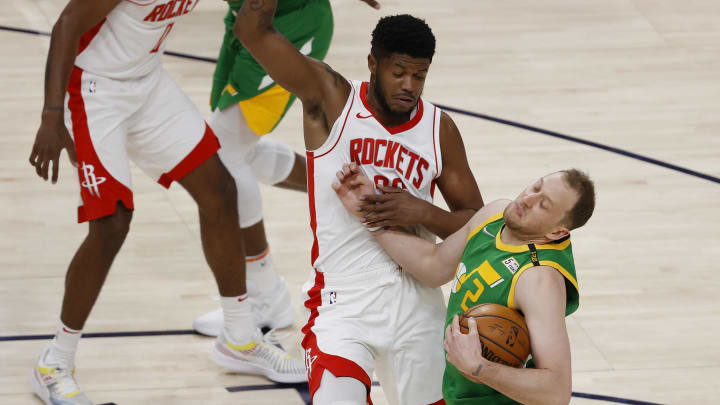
pixel 503 333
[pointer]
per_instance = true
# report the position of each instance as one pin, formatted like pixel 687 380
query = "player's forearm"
pixel 431 264
pixel 417 256
pixel 61 56
pixel 254 20
pixel 443 223
pixel 293 71
pixel 525 385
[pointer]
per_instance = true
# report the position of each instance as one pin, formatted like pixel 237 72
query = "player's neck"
pixel 510 237
pixel 380 111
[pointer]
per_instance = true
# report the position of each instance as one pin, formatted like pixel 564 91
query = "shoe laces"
pixel 65 380
pixel 277 357
pixel 275 336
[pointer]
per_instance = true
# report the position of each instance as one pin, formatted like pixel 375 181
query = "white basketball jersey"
pixel 406 156
pixel 130 41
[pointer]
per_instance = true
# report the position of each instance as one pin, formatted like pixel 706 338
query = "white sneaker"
pixel 261 357
pixel 55 384
pixel 272 309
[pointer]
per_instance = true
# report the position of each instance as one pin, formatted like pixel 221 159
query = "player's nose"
pixel 406 85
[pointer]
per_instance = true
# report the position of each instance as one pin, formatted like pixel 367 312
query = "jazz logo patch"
pixel 511 264
pixel 333 297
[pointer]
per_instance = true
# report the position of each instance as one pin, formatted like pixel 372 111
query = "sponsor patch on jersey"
pixel 93 87
pixel 511 264
pixel 333 297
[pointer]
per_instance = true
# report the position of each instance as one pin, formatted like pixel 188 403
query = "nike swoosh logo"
pixel 485 231
pixel 363 117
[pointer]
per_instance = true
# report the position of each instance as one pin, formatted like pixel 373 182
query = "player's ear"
pixel 558 234
pixel 372 64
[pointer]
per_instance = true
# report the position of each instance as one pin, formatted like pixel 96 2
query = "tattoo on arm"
pixel 264 13
pixel 332 72
pixel 265 20
pixel 477 371
pixel 256 5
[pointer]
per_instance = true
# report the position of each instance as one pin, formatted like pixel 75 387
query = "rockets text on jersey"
pixel 129 41
pixel 406 156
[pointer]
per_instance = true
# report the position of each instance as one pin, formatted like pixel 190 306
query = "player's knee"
pixel 221 201
pixel 112 229
pixel 271 161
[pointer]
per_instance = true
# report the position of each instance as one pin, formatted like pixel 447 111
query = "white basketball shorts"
pixel 148 120
pixel 380 320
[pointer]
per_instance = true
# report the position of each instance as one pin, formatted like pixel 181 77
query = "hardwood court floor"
pixel 640 75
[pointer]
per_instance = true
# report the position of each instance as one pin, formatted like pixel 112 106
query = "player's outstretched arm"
pixel 431 264
pixel 540 295
pixel 52 136
pixel 322 91
pixel 397 207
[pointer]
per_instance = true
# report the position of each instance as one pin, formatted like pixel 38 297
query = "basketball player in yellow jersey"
pixel 538 221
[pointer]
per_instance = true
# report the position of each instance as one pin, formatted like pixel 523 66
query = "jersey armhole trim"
pixel 436 142
pixel 549 263
pixel 347 115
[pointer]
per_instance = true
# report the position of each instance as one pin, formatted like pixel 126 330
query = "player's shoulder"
pixel 335 86
pixel 447 125
pixel 538 275
pixel 491 211
pixel 539 284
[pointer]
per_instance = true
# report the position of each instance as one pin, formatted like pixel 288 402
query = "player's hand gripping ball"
pixel 503 333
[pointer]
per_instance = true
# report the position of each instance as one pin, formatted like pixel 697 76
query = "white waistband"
pixel 380 272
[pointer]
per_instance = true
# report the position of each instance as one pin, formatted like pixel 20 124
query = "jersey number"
pixel 382 181
pixel 488 274
pixel 162 38
pixel 472 296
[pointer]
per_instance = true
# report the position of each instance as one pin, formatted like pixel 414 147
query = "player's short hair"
pixel 402 34
pixel 585 205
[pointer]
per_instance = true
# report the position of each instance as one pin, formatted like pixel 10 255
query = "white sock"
pixel 64 345
pixel 239 322
pixel 260 269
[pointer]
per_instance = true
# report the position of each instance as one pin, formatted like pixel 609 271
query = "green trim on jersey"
pixel 488 273
pixel 307 24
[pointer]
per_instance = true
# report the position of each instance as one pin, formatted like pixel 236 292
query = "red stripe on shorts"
pixel 99 191
pixel 204 150
pixel 317 361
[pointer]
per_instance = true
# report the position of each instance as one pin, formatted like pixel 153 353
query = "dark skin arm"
pixel 397 207
pixel 323 93
pixel 52 136
pixel 321 90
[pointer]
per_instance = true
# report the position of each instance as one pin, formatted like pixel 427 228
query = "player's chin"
pixel 401 110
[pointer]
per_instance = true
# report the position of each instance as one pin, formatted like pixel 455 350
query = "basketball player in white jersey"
pixel 247 105
pixel 365 314
pixel 108 101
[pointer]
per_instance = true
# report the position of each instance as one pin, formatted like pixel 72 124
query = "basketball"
pixel 503 333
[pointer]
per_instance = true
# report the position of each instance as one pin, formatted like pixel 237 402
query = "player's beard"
pixel 379 95
pixel 508 221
